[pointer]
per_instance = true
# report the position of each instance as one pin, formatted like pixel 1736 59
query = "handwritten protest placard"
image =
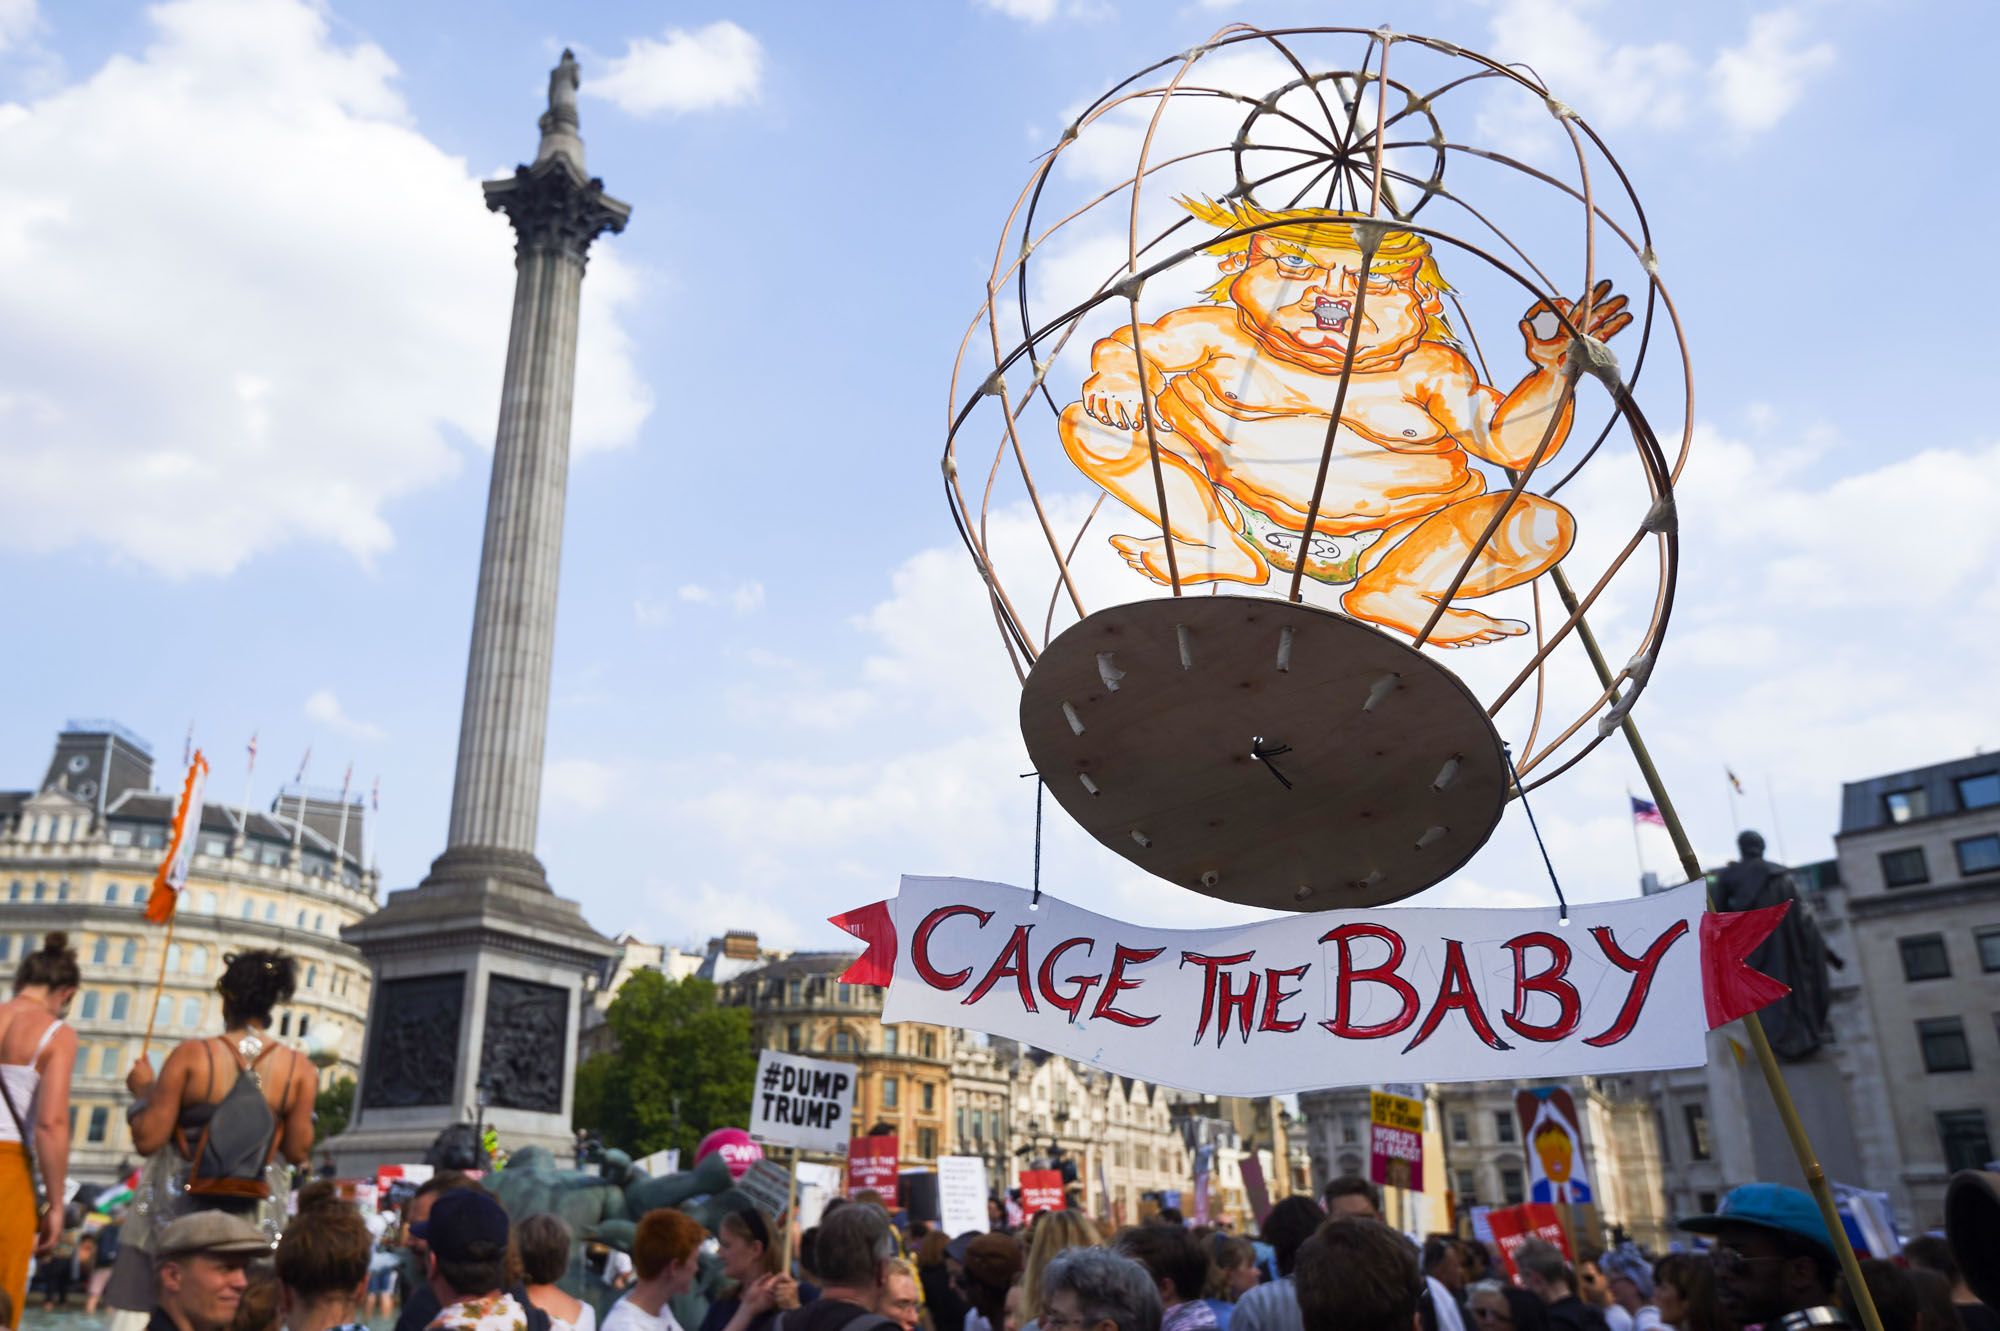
pixel 1041 1190
pixel 871 1163
pixel 803 1102
pixel 961 1194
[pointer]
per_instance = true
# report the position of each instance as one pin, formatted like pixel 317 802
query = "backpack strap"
pixel 284 1103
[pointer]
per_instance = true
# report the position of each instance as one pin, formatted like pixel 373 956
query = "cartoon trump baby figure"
pixel 1240 395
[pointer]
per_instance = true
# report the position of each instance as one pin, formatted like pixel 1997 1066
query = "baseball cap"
pixel 461 1219
pixel 1770 1206
pixel 215 1232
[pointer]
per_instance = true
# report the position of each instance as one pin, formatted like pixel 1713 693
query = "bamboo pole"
pixel 1767 1061
pixel 160 986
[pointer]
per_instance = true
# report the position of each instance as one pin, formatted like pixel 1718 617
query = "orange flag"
pixel 173 871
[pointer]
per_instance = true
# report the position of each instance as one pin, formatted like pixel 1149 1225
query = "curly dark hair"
pixel 54 966
pixel 253 983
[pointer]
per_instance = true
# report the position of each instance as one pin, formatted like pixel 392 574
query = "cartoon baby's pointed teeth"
pixel 1331 313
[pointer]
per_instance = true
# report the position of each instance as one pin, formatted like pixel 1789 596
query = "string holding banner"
pixel 1268 1008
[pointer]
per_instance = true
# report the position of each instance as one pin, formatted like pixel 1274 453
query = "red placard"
pixel 1041 1190
pixel 871 1163
pixel 1515 1225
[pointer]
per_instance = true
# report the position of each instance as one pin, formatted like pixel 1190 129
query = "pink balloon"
pixel 737 1149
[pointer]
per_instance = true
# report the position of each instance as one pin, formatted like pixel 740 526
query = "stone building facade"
pixel 903 1071
pixel 78 853
pixel 1916 915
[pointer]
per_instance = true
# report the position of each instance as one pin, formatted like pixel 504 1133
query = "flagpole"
pixel 1767 1061
pixel 340 838
pixel 1729 785
pixel 1777 832
pixel 1638 853
pixel 249 771
pixel 299 819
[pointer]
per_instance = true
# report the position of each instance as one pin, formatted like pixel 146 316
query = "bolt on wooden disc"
pixel 1264 752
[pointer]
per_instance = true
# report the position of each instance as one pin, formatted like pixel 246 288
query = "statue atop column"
pixel 559 123
pixel 1795 954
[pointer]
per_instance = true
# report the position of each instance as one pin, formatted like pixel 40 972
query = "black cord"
pixel 1040 786
pixel 1562 906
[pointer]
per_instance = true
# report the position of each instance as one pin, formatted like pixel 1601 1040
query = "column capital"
pixel 554 208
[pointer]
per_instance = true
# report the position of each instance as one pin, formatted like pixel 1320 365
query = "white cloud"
pixel 244 302
pixel 744 598
pixel 18 22
pixel 325 708
pixel 1028 11
pixel 1612 84
pixel 1757 83
pixel 579 784
pixel 715 66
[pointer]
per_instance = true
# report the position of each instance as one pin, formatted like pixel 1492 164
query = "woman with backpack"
pixel 37 1052
pixel 223 1123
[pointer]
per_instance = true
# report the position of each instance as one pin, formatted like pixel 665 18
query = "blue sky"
pixel 251 318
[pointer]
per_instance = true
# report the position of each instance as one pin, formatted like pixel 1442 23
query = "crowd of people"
pixel 215 1240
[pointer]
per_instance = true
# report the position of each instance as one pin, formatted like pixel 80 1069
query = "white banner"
pixel 1332 998
pixel 802 1102
pixel 961 1194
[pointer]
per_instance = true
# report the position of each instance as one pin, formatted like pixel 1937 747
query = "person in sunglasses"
pixel 1773 1259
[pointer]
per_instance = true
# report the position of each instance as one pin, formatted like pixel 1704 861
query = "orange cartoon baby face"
pixel 1304 300
pixel 1553 1145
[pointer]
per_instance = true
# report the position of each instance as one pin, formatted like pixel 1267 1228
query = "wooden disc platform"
pixel 1264 752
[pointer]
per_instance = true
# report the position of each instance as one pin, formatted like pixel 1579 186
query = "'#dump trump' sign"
pixel 1358 997
pixel 802 1102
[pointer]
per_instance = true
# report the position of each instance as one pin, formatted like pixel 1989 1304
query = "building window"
pixel 302 918
pixel 214 845
pixel 1978 854
pixel 107 1061
pixel 843 1043
pixel 1963 1135
pixel 1944 1045
pixel 249 909
pixel 845 995
pixel 270 912
pixel 1467 1191
pixel 312 977
pixel 304 1021
pixel 163 1011
pixel 1461 1130
pixel 90 1002
pixel 1347 1130
pixel 1989 950
pixel 927 1142
pixel 1904 806
pixel 121 1006
pixel 111 894
pixel 979 1124
pixel 319 922
pixel 100 1120
pixel 890 1092
pixel 121 836
pixel 1905 868
pixel 174 957
pixel 130 956
pixel 62 890
pixel 929 1044
pixel 889 1040
pixel 1924 957
pixel 1511 1191
pixel 1979 792
pixel 41 890
pixel 927 1093
pixel 198 959
pixel 792 1043
pixel 1503 1127
pixel 6 946
pixel 793 991
pixel 190 1012
pixel 100 952
pixel 1697 1126
pixel 285 1023
pixel 209 904
pixel 14 890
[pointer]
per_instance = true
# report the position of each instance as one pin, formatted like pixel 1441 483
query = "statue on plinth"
pixel 1795 954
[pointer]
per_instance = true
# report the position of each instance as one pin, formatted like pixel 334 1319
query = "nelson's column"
pixel 478 970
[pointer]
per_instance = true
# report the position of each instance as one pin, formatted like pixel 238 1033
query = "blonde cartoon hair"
pixel 1297 228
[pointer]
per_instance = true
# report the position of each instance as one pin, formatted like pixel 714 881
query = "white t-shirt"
pixel 626 1315
pixel 1445 1306
pixel 1617 1318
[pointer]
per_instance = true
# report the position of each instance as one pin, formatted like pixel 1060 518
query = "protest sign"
pixel 1396 1140
pixel 1255 1188
pixel 961 1194
pixel 1513 1226
pixel 768 1185
pixel 1554 1144
pixel 802 1102
pixel 1268 1008
pixel 871 1163
pixel 818 1185
pixel 1041 1190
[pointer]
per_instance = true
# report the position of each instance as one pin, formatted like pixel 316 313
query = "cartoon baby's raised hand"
pixel 1548 338
pixel 1114 400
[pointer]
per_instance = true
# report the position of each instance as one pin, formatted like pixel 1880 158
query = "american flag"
pixel 1645 811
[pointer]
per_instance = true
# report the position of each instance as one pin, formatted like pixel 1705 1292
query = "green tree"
pixel 683 1066
pixel 332 1108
